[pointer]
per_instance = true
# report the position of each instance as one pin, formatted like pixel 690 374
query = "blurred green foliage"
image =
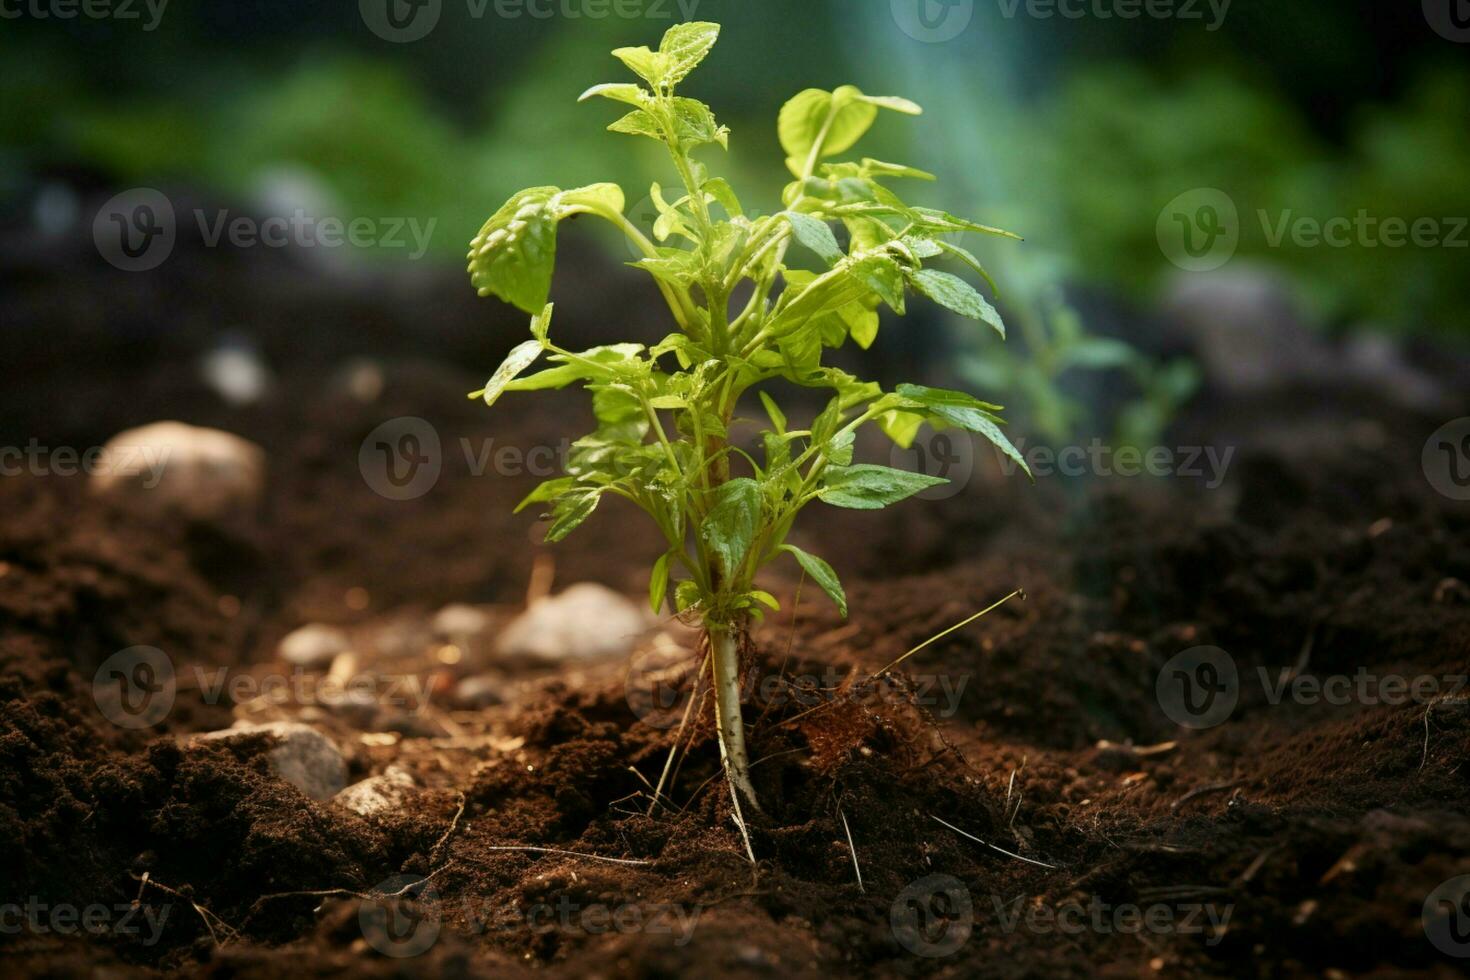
pixel 1117 146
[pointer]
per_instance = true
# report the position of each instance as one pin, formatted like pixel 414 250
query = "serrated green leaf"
pixel 871 487
pixel 815 235
pixel 684 46
pixel 730 527
pixel 822 574
pixel 695 124
pixel 955 294
pixel 515 252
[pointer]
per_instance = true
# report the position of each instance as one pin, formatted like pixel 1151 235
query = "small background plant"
pixel 669 424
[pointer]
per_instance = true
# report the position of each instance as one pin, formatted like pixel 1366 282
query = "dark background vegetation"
pixel 1075 132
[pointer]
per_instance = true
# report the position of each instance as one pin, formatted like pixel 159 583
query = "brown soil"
pixel 1321 829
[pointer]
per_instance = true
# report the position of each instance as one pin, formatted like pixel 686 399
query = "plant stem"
pixel 725 652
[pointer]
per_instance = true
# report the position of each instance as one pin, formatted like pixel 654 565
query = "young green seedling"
pixel 665 413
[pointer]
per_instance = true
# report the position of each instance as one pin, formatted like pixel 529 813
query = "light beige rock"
pixel 313 647
pixel 586 622
pixel 378 794
pixel 204 474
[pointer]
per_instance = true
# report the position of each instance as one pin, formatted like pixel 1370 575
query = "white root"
pixel 725 650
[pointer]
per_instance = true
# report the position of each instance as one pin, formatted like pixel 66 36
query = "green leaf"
pixel 695 124
pixel 955 294
pixel 954 407
pixel 517 361
pixel 541 323
pixel 883 275
pixel 633 95
pixel 901 427
pixel 766 599
pixel 570 511
pixel 863 325
pixel 815 235
pixel 550 490
pixel 594 197
pixel 730 527
pixel 838 449
pixel 778 417
pixel 687 595
pixel 684 46
pixel 968 257
pixel 871 487
pixel 658 582
pixel 965 411
pixel 598 364
pixel 638 123
pixel 644 63
pixel 822 574
pixel 515 252
pixel 895 103
pixel 719 188
pixel 837 119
